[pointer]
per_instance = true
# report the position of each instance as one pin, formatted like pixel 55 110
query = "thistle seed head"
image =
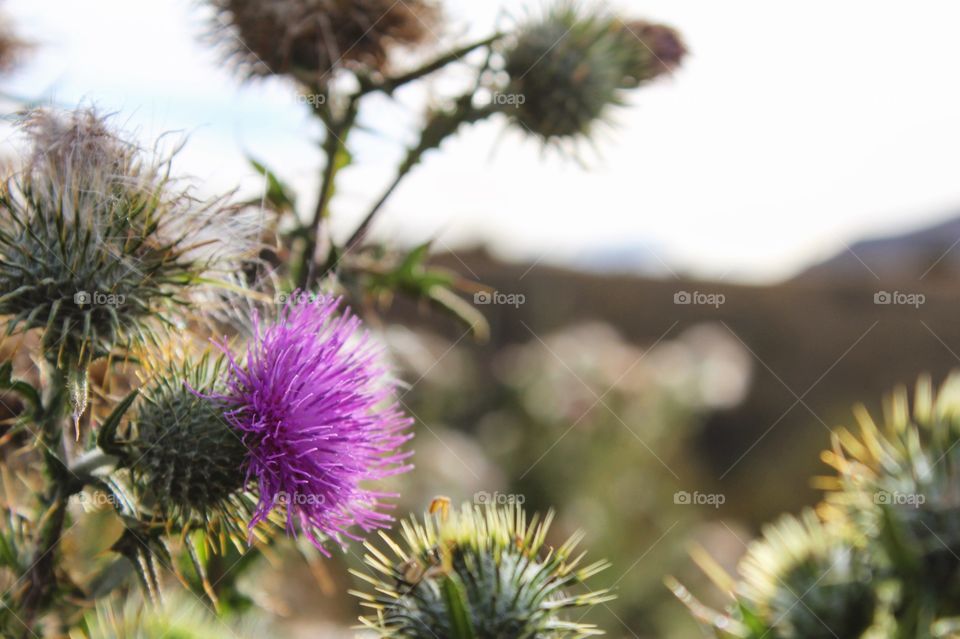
pixel 96 241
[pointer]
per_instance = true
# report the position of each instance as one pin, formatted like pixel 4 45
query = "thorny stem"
pixel 334 146
pixel 41 580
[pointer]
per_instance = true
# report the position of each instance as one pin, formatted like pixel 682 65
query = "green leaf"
pixel 110 578
pixel 24 389
pixel 106 439
pixel 456 599
pixel 280 196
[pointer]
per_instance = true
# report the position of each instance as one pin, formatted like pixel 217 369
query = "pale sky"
pixel 793 129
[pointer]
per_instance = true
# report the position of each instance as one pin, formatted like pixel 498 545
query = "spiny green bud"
pixel 477 572
pixel 568 67
pixel 181 451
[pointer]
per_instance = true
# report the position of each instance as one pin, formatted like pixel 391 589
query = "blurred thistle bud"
pixel 569 67
pixel 312 39
pixel 900 482
pixel 802 579
pixel 178 616
pixel 478 572
pixel 96 243
pixel 656 49
pixel 807 580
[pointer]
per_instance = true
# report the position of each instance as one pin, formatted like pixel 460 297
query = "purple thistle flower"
pixel 317 411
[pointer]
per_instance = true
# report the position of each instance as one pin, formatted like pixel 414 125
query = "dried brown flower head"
pixel 314 38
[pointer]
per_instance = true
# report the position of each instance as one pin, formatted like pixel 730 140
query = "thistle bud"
pixel 806 580
pixel 183 455
pixel 477 572
pixel 899 480
pixel 568 67
pixel 656 49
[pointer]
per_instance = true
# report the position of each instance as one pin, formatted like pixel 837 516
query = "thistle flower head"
pixel 900 480
pixel 314 38
pixel 481 572
pixel 317 413
pixel 95 240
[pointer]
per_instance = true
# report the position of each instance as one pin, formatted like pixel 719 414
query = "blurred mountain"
pixel 928 254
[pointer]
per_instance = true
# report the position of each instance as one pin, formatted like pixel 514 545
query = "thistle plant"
pixel 879 556
pixel 478 572
pixel 208 421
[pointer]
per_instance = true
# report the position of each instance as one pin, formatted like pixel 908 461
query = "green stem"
pixel 41 575
pixel 389 85
pixel 441 126
pixel 334 146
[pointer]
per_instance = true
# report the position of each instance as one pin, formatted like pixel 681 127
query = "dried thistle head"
pixel 12 47
pixel 312 39
pixel 98 245
pixel 487 570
